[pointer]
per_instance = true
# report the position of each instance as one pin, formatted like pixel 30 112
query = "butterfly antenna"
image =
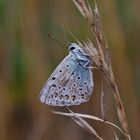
pixel 64 33
pixel 53 38
pixel 74 37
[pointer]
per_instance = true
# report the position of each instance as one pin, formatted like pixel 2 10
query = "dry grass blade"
pixel 116 137
pixel 81 122
pixel 98 26
pixel 89 117
pixel 86 12
pixel 92 52
pixel 103 105
pixel 79 7
pixel 103 64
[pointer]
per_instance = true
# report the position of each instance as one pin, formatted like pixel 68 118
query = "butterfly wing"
pixel 78 88
pixel 58 79
pixel 70 84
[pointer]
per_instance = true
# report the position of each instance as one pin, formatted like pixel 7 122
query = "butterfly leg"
pixel 88 65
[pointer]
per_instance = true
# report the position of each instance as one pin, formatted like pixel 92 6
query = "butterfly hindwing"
pixel 77 90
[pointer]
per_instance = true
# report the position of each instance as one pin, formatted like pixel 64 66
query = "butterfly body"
pixel 71 83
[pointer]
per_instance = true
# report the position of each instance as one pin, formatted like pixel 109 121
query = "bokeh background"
pixel 28 57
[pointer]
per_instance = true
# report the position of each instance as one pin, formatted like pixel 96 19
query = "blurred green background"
pixel 28 57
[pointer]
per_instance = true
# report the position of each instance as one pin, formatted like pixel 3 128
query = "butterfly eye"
pixel 73 73
pixel 72 48
pixel 67 66
pixel 60 71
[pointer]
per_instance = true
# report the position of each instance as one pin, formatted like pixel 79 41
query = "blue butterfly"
pixel 71 83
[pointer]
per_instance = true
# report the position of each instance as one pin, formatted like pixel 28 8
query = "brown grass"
pixel 100 55
pixel 102 58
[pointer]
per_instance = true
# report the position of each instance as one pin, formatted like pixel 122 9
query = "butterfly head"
pixel 74 48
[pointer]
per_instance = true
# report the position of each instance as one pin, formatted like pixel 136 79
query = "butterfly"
pixel 71 83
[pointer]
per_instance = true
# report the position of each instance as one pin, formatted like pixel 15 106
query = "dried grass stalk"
pixel 102 58
pixel 81 122
pixel 103 104
pixel 88 117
